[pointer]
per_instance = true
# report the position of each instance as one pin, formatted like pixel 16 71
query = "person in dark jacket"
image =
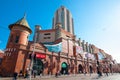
pixel 15 76
pixel 91 70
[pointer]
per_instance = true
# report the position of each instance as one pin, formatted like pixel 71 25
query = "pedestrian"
pixel 98 72
pixel 41 72
pixel 100 69
pixel 34 73
pixel 90 70
pixel 56 74
pixel 106 71
pixel 26 75
pixel 15 76
pixel 48 72
pixel 20 74
pixel 84 72
pixel 64 72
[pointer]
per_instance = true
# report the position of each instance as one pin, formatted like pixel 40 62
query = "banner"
pixel 89 55
pixel 100 56
pixel 54 48
pixel 79 49
pixel 41 56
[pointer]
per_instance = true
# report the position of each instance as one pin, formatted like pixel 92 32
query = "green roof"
pixel 23 22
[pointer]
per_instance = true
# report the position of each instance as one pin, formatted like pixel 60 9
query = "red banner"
pixel 41 56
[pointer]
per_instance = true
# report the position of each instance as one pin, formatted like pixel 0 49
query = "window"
pixel 11 38
pixel 67 36
pixel 17 39
pixel 0 60
pixel 47 34
pixel 46 37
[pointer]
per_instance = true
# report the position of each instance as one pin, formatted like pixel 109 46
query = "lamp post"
pixel 32 57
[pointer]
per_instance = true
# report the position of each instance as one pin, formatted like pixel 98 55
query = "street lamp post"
pixel 32 57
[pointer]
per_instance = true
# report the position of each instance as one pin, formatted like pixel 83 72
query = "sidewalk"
pixel 68 77
pixel 52 77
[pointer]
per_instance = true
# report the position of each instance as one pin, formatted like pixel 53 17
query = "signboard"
pixel 40 56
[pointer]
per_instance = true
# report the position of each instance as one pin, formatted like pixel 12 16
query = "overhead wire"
pixel 4 28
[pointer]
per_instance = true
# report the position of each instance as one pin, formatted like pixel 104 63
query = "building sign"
pixel 54 48
pixel 40 55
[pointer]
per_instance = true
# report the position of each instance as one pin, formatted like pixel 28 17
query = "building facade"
pixel 54 50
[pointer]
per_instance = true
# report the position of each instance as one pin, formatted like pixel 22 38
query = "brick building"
pixel 1 56
pixel 53 50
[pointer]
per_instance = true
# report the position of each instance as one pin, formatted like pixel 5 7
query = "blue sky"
pixel 95 21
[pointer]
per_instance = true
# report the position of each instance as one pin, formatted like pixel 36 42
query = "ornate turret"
pixel 20 31
pixel 21 23
pixel 17 44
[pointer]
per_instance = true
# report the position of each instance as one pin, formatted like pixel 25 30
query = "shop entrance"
pixel 80 68
pixel 38 66
pixel 64 68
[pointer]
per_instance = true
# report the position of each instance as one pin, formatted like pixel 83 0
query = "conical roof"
pixel 22 22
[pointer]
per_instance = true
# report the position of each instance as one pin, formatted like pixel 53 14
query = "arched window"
pixel 16 39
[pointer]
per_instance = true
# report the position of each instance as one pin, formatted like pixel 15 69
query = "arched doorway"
pixel 64 68
pixel 80 69
pixel 38 66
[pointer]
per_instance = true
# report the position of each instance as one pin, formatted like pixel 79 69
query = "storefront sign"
pixel 40 55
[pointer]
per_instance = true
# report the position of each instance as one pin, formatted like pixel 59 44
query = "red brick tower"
pixel 16 48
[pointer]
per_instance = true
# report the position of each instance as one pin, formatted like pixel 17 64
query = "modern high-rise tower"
pixel 63 16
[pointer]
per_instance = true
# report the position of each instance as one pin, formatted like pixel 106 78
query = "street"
pixel 73 77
